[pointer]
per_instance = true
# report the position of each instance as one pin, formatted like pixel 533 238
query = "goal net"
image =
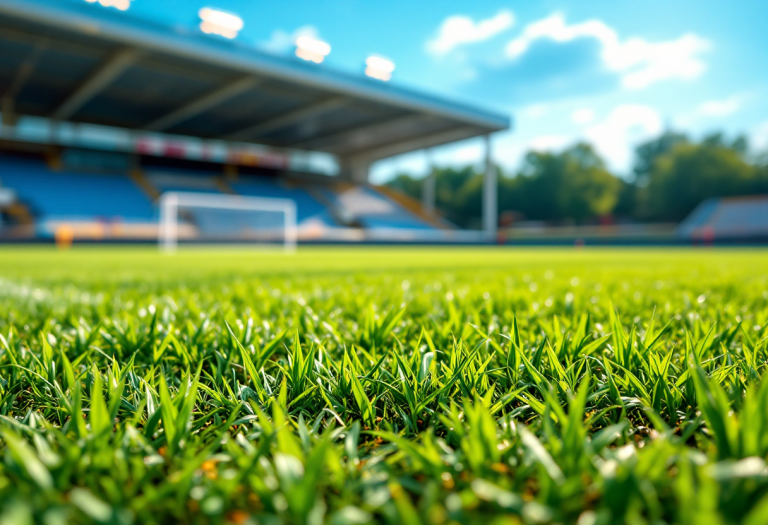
pixel 187 218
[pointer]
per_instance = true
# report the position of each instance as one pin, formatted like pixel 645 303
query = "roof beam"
pixel 203 104
pixel 108 71
pixel 416 143
pixel 22 37
pixel 187 46
pixel 8 101
pixel 26 68
pixel 287 119
pixel 358 136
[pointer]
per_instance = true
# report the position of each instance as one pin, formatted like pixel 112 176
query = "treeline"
pixel 672 175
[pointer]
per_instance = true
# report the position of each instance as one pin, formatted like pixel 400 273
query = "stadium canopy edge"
pixel 78 62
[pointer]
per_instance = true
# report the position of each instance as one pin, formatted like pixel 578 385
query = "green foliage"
pixel 647 152
pixel 572 185
pixel 384 386
pixel 672 176
pixel 457 193
pixel 408 185
pixel 684 175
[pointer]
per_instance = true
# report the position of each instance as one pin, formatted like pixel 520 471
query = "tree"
pixel 589 189
pixel 687 174
pixel 626 205
pixel 572 185
pixel 672 176
pixel 646 153
pixel 456 204
pixel 538 186
pixel 407 184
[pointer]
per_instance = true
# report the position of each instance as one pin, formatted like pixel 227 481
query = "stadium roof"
pixel 79 62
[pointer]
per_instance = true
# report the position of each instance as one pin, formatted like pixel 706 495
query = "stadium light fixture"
pixel 122 5
pixel 216 22
pixel 312 49
pixel 379 67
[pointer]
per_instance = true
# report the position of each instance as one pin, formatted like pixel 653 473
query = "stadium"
pixel 397 359
pixel 104 113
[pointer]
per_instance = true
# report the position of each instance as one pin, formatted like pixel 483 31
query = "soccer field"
pixel 394 385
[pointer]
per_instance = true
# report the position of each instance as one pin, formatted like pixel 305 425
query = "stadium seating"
pixel 373 210
pixel 698 217
pixel 168 179
pixel 66 195
pixel 727 218
pixel 82 197
pixel 307 207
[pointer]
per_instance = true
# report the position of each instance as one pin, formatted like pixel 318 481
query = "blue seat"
pixel 170 179
pixel 70 195
pixel 699 217
pixel 731 217
pixel 402 222
pixel 307 207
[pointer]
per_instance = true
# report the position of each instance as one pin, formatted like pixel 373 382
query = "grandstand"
pixel 103 112
pixel 727 219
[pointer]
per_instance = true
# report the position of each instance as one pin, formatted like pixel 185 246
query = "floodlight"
pixel 216 22
pixel 312 49
pixel 122 5
pixel 379 67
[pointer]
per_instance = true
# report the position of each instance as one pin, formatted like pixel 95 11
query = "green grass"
pixel 388 385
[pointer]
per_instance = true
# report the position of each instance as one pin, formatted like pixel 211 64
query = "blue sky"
pixel 612 72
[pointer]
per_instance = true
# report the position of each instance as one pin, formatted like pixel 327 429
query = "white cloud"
pixel 459 30
pixel 583 116
pixel 626 126
pixel 715 108
pixel 613 136
pixel 639 62
pixel 534 111
pixel 549 143
pixel 720 108
pixel 471 153
pixel 759 138
pixel 282 41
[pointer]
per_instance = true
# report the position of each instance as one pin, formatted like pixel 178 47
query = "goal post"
pixel 210 217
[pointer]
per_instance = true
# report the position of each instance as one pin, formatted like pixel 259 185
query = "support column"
pixel 9 117
pixel 490 198
pixel 428 189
